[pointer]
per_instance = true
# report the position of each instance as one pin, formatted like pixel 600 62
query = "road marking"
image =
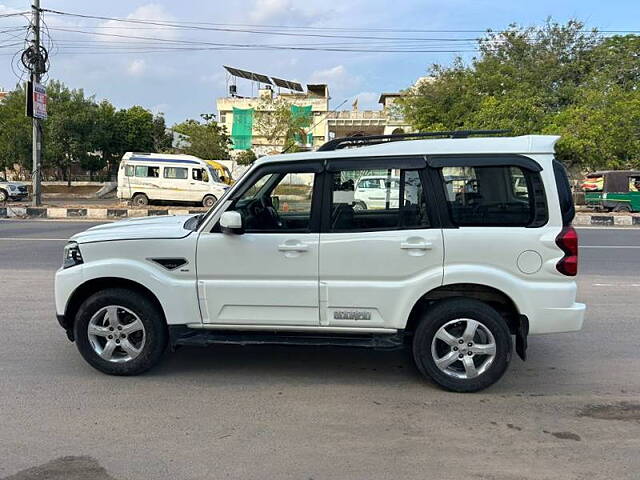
pixel 31 239
pixel 616 284
pixel 609 246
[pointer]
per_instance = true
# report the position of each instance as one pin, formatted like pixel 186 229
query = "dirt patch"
pixel 65 468
pixel 624 411
pixel 73 189
pixel 566 436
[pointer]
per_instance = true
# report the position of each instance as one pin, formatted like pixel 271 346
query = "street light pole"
pixel 35 79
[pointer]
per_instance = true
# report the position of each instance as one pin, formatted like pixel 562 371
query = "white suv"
pixel 465 261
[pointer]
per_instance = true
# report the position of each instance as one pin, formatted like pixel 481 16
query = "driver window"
pixel 277 202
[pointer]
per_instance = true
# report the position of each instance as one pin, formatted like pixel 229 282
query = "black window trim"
pixel 483 160
pixel 528 165
pixel 413 162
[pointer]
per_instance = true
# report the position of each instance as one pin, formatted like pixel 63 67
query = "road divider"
pixel 92 213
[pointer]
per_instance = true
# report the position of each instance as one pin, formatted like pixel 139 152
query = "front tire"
pixel 120 332
pixel 462 344
pixel 3 196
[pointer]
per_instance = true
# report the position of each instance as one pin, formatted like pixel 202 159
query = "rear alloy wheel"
pixel 462 344
pixel 120 332
pixel 140 200
pixel 209 201
pixel 359 206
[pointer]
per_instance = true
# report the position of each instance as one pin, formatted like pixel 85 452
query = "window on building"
pixel 393 200
pixel 177 173
pixel 492 196
pixel 146 171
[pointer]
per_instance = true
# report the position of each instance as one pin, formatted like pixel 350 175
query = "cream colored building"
pixel 325 125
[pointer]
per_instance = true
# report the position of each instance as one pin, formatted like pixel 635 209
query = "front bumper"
pixel 18 195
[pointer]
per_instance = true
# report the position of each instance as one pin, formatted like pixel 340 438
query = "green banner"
pixel 306 114
pixel 242 128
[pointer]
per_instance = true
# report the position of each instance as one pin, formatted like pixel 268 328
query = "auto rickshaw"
pixel 223 172
pixel 613 190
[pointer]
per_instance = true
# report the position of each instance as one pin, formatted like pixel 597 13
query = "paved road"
pixel 572 411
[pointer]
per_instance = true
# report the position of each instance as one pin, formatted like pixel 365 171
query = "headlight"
pixel 72 255
pixel 13 188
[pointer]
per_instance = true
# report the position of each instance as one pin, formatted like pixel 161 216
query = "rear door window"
pixel 147 171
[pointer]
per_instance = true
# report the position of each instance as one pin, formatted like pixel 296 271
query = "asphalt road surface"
pixel 572 411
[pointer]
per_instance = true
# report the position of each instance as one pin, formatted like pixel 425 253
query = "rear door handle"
pixel 297 247
pixel 416 245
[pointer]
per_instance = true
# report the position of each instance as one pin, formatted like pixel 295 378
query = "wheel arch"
pixel 492 296
pixel 88 288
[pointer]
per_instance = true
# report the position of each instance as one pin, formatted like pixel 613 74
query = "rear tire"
pixel 359 206
pixel 458 359
pixel 140 200
pixel 209 201
pixel 3 196
pixel 130 343
pixel 622 208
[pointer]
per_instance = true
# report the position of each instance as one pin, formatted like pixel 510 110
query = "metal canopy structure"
pixel 256 77
pixel 295 86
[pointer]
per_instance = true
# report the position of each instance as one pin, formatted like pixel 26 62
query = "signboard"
pixel 39 101
pixel 36 100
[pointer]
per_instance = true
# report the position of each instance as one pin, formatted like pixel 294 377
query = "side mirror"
pixel 231 222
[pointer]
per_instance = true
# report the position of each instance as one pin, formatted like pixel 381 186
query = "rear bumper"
pixel 558 320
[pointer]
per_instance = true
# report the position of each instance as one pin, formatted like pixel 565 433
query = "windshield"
pixel 213 173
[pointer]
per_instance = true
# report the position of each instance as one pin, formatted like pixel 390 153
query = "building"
pixel 3 94
pixel 323 123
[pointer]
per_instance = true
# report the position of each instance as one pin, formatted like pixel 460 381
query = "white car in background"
pixel 372 192
pixel 12 190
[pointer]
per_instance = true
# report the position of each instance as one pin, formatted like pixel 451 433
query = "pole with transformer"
pixel 37 138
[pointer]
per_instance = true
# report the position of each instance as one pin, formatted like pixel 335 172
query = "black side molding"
pixel 484 160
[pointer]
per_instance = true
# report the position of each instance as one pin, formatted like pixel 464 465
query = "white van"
pixel 159 176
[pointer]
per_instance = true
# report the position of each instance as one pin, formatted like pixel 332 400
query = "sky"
pixel 179 71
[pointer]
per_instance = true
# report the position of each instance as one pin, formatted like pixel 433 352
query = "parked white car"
pixel 12 190
pixel 144 177
pixel 373 192
pixel 460 264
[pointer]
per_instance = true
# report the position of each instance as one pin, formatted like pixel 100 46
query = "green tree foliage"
pixel 554 79
pixel 207 139
pixel 15 132
pixel 78 131
pixel 246 157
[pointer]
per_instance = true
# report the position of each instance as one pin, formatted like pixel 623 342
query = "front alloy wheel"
pixel 120 331
pixel 116 334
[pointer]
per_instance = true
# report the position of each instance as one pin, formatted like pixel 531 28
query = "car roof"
pixel 526 144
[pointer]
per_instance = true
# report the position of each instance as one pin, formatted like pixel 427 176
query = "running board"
pixel 291 328
pixel 187 335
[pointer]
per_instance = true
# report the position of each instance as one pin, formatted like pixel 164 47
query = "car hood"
pixel 169 227
pixel 15 184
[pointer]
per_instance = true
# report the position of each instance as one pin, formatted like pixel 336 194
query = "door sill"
pixel 292 328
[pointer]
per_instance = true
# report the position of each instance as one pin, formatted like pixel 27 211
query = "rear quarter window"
pixel 565 196
pixel 495 196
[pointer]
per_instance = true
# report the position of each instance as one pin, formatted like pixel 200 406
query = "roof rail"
pixel 339 143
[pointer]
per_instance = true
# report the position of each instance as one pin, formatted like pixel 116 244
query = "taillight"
pixel 567 240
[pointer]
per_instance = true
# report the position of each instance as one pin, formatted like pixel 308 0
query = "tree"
pixel 15 132
pixel 69 128
pixel 206 138
pixel 246 157
pixel 108 136
pixel 275 120
pixel 556 79
pixel 162 138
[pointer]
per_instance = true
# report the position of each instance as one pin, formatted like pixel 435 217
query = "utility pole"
pixel 35 80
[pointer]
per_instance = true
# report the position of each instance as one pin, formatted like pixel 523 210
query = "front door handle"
pixel 295 247
pixel 416 245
